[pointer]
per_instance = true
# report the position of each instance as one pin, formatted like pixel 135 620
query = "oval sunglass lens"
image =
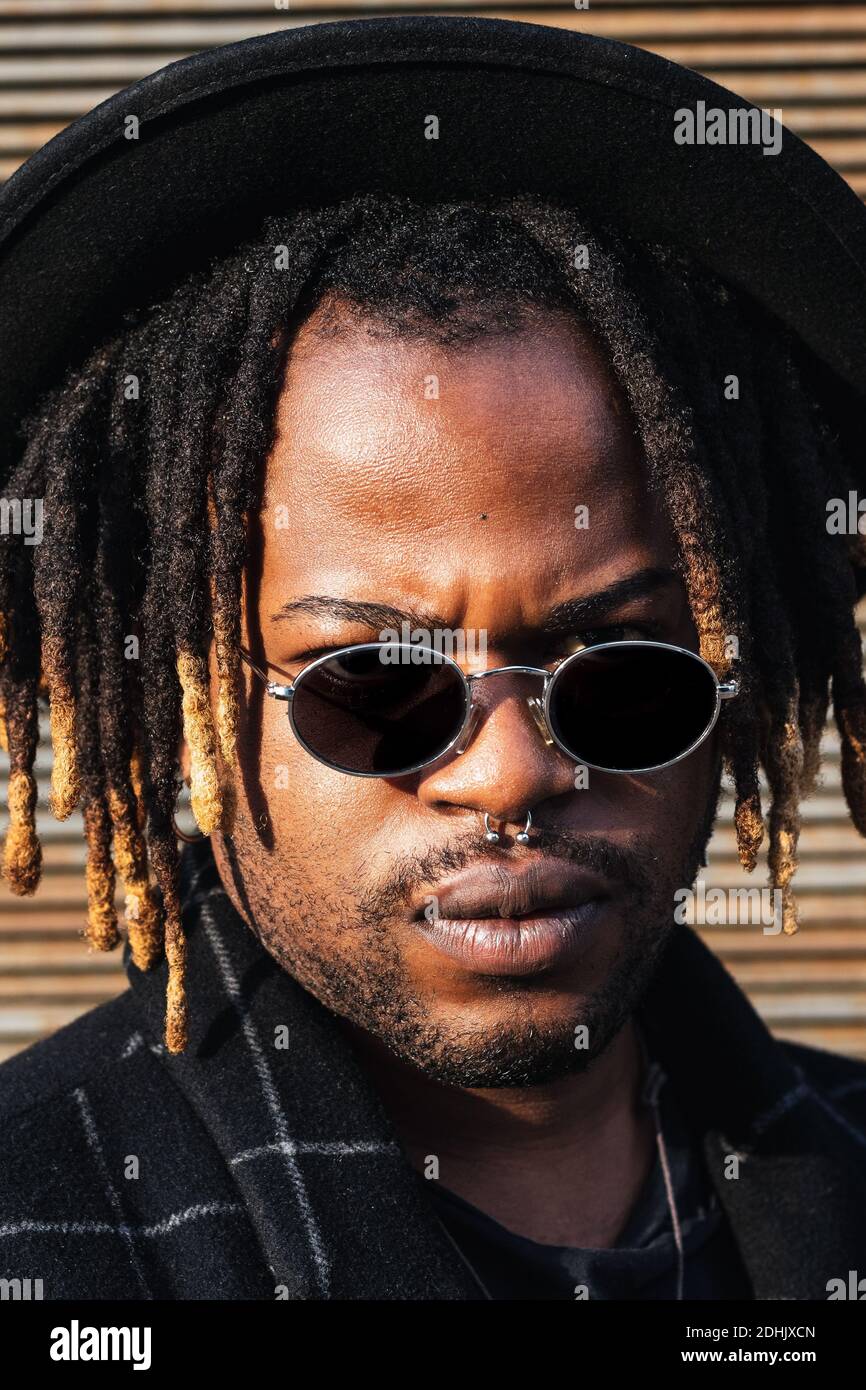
pixel 632 709
pixel 379 709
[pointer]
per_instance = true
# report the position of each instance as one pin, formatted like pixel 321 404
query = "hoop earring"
pixel 188 839
pixel 522 837
pixel 181 834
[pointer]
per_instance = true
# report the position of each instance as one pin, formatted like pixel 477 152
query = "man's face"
pixel 460 504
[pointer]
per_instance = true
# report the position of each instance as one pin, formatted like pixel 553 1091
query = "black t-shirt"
pixel 643 1263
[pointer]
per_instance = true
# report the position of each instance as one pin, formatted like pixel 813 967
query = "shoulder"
pixel 98 1065
pixel 91 1127
pixel 88 1048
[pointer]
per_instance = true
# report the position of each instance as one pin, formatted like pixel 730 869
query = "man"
pixel 414 1018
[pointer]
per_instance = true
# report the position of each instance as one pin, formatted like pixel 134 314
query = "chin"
pixel 529 1052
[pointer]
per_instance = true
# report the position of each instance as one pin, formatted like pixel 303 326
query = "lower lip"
pixel 515 945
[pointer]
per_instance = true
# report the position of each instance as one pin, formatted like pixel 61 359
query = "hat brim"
pixel 96 223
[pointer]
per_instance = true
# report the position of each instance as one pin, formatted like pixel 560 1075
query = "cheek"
pixel 664 811
pixel 679 805
pixel 305 803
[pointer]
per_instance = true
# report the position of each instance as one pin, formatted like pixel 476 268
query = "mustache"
pixel 633 869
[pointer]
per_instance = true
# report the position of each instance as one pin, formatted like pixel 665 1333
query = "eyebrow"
pixel 576 612
pixel 565 617
pixel 349 610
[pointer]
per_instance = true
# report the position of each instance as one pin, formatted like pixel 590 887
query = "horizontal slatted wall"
pixel 58 58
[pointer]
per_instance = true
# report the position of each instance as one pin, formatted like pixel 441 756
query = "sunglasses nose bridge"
pixel 536 708
pixel 535 704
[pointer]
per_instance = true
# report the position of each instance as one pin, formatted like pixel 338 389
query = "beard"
pixel 356 970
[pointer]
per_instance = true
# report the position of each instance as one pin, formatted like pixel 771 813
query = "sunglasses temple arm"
pixel 728 689
pixel 279 692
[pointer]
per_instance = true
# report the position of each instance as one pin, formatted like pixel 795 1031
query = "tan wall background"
pixel 58 58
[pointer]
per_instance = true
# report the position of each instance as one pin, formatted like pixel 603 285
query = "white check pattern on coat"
pixel 111 1191
pixel 282 1142
pixel 332 1149
pixel 127 1231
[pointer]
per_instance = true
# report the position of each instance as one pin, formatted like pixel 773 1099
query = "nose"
pixel 509 764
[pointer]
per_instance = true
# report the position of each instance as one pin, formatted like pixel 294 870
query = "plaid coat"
pixel 245 1169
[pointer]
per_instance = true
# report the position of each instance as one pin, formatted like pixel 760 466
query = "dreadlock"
pixel 148 458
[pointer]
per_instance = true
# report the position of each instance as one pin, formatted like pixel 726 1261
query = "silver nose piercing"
pixel 522 837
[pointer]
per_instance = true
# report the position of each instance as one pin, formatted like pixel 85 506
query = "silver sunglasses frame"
pixel 725 690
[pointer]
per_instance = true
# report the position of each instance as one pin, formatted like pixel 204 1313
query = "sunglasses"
pixel 388 709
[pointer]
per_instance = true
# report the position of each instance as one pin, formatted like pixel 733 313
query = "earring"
pixel 181 834
pixel 187 839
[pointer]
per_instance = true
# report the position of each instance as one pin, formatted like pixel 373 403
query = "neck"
pixel 561 1163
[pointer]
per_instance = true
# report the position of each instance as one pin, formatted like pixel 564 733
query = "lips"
pixel 492 890
pixel 494 920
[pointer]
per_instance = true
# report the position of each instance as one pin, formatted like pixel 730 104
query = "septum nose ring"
pixel 492 836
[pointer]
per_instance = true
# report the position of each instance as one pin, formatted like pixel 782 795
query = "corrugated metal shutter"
pixel 810 987
pixel 58 58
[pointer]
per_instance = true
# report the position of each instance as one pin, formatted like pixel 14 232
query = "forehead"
pixel 438 474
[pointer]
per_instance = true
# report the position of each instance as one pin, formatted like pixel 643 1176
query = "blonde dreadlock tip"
pixel 206 805
pixel 204 789
pixel 790 912
pixel 22 852
pixel 102 933
pixel 65 788
pixel 144 928
pixel 749 827
pixel 176 1029
pixel 99 875
pixel 176 1012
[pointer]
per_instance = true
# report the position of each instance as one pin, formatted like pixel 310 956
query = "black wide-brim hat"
pixel 96 223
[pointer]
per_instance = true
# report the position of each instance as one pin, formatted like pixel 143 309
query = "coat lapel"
pixel 787 1166
pixel 337 1209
